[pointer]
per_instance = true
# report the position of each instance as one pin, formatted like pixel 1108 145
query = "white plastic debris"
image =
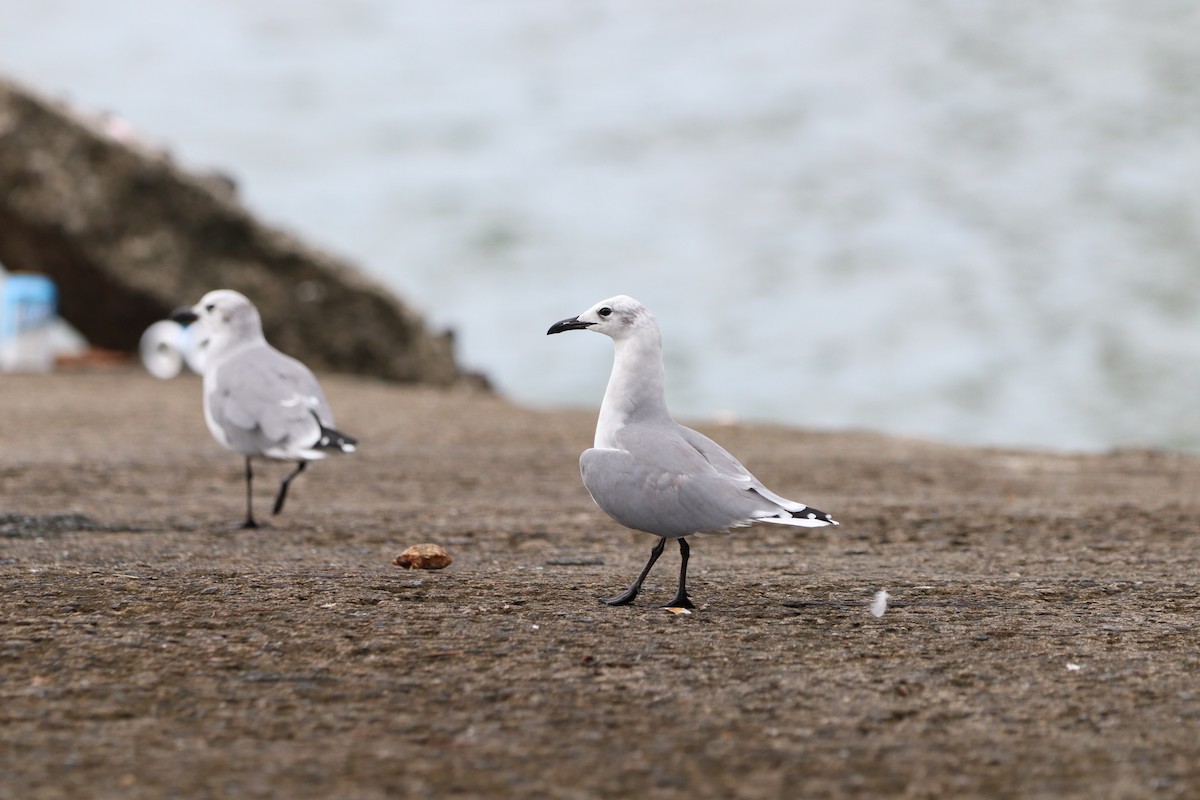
pixel 1073 667
pixel 166 346
pixel 879 604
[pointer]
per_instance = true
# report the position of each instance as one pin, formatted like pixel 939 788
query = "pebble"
pixel 423 556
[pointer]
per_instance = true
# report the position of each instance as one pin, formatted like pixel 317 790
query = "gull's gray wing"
pixel 661 483
pixel 726 464
pixel 260 401
pixel 714 454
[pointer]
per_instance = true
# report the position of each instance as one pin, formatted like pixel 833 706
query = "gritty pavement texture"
pixel 1042 638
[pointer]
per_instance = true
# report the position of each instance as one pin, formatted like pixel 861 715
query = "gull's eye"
pixel 209 308
pixel 604 312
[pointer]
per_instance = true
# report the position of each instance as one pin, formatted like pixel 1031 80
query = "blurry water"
pixel 978 222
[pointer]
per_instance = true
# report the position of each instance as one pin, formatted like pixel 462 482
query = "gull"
pixel 652 474
pixel 258 401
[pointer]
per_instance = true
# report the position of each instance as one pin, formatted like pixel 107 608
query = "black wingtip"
pixel 331 439
pixel 336 440
pixel 817 514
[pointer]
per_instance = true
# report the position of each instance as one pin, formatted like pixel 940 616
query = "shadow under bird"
pixel 258 401
pixel 652 474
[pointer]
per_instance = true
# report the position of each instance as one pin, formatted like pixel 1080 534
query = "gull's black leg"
pixel 632 592
pixel 681 597
pixel 283 487
pixel 249 523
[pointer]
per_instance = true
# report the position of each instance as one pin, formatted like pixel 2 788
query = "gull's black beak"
pixel 572 324
pixel 184 315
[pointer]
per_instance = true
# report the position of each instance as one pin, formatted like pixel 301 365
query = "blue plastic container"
pixel 28 308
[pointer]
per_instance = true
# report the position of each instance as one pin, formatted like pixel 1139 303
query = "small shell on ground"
pixel 423 556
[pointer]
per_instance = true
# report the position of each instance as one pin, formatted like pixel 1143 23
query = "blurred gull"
pixel 258 401
pixel 166 346
pixel 652 474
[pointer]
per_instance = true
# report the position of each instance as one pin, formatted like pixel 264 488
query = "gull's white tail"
pixel 808 518
pixel 790 512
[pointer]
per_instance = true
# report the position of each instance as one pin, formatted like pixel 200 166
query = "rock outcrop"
pixel 128 235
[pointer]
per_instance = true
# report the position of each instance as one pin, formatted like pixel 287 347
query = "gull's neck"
pixel 636 388
pixel 228 342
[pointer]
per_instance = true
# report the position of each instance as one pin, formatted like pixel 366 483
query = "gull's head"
pixel 223 312
pixel 619 317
